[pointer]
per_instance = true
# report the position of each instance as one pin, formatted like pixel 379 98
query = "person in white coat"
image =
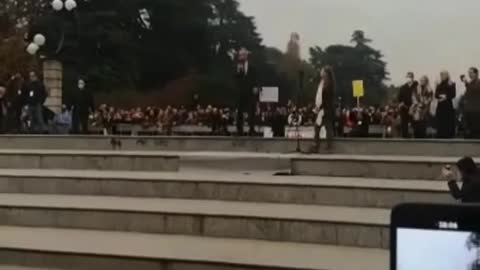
pixel 325 108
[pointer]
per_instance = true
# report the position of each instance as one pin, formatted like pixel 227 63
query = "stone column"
pixel 52 78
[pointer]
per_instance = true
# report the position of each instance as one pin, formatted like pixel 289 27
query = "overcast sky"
pixel 424 36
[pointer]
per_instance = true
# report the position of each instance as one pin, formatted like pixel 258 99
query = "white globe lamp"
pixel 57 5
pixel 32 48
pixel 39 39
pixel 70 5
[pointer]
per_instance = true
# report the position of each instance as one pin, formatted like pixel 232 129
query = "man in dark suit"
pixel 246 84
pixel 405 102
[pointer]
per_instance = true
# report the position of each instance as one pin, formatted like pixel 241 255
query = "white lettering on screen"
pixel 448 225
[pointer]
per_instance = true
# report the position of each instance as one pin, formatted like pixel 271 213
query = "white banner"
pixel 269 95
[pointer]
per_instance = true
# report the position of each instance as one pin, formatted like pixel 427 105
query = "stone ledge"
pixel 229 177
pixel 436 148
pixel 320 225
pixel 381 167
pixel 85 245
pixel 178 188
pixel 348 215
pixel 96 161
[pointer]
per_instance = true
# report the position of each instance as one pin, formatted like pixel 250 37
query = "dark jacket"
pixel 448 89
pixel 34 93
pixel 328 101
pixel 246 82
pixel 471 100
pixel 83 102
pixel 470 191
pixel 405 95
pixel 15 95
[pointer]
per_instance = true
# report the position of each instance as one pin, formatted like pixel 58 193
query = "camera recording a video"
pixel 239 135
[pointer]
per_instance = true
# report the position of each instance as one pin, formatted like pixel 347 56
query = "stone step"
pixel 232 144
pixel 100 250
pixel 89 160
pixel 343 226
pixel 259 186
pixel 389 167
pixel 234 161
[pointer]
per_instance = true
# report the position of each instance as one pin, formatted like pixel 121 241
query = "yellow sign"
pixel 358 90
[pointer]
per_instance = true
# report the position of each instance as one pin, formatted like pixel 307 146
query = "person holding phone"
pixel 445 117
pixel 469 176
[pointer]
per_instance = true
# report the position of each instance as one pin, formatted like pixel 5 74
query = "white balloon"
pixel 32 48
pixel 70 4
pixel 57 5
pixel 39 39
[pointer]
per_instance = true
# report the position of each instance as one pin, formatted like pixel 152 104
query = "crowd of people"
pixel 355 122
pixel 23 110
pixel 218 119
pixel 421 111
pixel 421 106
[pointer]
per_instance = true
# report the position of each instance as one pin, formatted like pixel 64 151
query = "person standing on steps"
pixel 405 102
pixel 325 109
pixel 419 111
pixel 82 106
pixel 35 96
pixel 445 116
pixel 246 81
pixel 15 103
pixel 471 105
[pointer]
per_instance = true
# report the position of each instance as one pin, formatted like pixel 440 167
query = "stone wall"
pixel 52 77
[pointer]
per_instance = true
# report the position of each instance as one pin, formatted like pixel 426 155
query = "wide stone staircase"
pixel 89 207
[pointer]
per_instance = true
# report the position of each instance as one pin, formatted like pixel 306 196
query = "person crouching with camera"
pixel 468 175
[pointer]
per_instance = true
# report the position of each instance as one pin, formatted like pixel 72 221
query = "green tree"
pixel 147 44
pixel 358 37
pixel 12 29
pixel 358 62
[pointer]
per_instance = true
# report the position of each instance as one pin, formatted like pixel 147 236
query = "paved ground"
pixel 188 248
pixel 223 176
pixel 336 214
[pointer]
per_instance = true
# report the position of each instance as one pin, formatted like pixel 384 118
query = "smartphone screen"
pixel 435 237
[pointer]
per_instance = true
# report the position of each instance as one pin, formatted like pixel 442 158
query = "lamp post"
pixel 52 68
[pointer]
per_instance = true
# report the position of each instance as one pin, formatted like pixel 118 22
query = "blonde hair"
pixel 427 85
pixel 427 80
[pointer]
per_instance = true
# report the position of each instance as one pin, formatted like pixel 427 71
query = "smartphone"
pixel 435 237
